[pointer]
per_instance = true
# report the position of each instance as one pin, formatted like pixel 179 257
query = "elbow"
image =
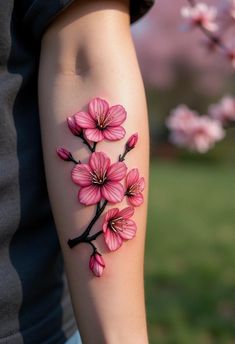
pixel 88 36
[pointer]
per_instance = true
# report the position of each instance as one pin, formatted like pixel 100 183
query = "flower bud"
pixel 132 141
pixel 64 154
pixel 73 126
pixel 96 264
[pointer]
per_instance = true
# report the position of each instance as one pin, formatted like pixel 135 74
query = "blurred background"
pixel 190 243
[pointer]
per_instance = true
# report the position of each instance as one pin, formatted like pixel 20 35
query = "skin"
pixel 86 52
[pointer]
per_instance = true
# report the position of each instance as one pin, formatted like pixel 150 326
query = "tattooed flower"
pixel 134 188
pixel 96 264
pixel 200 14
pixel 101 121
pixel 132 141
pixel 64 154
pixel 73 125
pixel 99 179
pixel 117 227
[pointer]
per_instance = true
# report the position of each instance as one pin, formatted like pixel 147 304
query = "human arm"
pixel 85 53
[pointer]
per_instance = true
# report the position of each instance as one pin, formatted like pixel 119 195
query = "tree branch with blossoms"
pixel 187 128
pixel 100 180
pixel 213 22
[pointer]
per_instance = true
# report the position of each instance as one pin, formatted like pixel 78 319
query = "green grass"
pixel 190 254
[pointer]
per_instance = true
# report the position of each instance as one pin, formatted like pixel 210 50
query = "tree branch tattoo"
pixel 102 182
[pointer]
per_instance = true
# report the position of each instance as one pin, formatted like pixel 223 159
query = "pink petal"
pixel 117 171
pixel 96 265
pixel 114 133
pixel 112 213
pixel 141 183
pixel 116 115
pixel 126 212
pixel 81 175
pixel 98 270
pixel 99 162
pixel 99 260
pixel 112 192
pixel 94 135
pixel 84 120
pixel 129 230
pixel 98 106
pixel 132 177
pixel 131 143
pixel 89 195
pixel 136 200
pixel 112 240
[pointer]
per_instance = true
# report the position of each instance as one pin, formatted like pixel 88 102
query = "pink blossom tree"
pixel 187 128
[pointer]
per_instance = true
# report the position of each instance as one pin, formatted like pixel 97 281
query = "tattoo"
pixel 100 180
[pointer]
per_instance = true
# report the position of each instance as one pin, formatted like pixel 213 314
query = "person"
pixel 55 57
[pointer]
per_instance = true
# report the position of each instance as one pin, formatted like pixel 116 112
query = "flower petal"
pixel 114 133
pixel 136 200
pixel 84 120
pixel 112 213
pixel 89 195
pixel 98 106
pixel 126 212
pixel 100 260
pixel 141 183
pixel 96 264
pixel 112 192
pixel 94 135
pixel 99 162
pixel 116 171
pixel 129 230
pixel 112 240
pixel 132 177
pixel 81 175
pixel 116 115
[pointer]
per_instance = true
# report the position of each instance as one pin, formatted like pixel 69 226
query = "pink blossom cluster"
pixel 216 22
pixel 200 14
pixel 101 181
pixel 224 110
pixel 190 130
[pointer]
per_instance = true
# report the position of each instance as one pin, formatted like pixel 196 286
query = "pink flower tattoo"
pixel 101 181
pixel 102 121
pixel 73 125
pixel 96 264
pixel 132 141
pixel 134 188
pixel 117 227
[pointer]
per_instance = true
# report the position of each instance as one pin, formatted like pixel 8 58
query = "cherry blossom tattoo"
pixel 101 181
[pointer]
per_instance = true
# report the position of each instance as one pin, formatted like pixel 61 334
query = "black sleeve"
pixel 39 13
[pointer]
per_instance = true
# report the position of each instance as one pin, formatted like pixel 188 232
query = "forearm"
pixel 109 309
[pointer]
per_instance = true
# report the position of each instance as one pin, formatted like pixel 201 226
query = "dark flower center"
pixel 133 190
pixel 98 177
pixel 103 120
pixel 117 224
